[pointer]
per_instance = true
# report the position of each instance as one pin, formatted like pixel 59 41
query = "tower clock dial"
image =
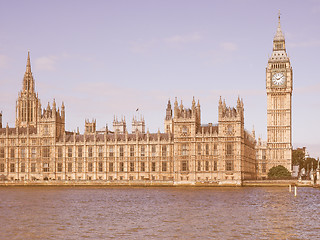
pixel 278 79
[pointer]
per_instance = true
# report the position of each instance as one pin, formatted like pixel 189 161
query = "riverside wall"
pixel 247 183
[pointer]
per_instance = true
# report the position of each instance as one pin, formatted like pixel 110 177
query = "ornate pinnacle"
pixel 28 62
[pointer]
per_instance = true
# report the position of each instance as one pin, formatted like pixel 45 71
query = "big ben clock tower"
pixel 279 93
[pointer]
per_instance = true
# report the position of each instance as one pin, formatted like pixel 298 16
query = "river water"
pixel 158 213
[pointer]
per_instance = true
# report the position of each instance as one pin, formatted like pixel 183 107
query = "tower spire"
pixel 28 82
pixel 279 35
pixel 28 63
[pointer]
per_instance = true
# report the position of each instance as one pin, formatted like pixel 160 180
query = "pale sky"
pixel 106 58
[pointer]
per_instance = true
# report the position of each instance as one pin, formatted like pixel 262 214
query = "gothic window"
pixel 45 167
pixel 207 149
pixel 121 167
pixel 33 152
pixel 79 152
pixel 153 166
pixel 215 166
pixel 131 166
pixel 184 150
pixel 184 130
pixel 164 166
pixel 12 153
pixel 59 152
pixel 100 149
pixel 1 153
pixel 23 167
pixel 111 151
pixel 89 152
pixel 33 167
pixel 69 167
pixel 198 166
pixel 164 151
pixel 142 151
pixel 264 167
pixel 215 149
pixel 59 167
pixel 184 166
pixel 100 167
pixel 199 149
pixel 69 152
pixel 121 151
pixel 1 167
pixel 12 167
pixel 45 152
pixel 143 166
pixel 153 150
pixel 229 165
pixel 110 166
pixel 46 130
pixel 90 167
pixel 131 151
pixel 229 149
pixel 79 167
pixel 207 165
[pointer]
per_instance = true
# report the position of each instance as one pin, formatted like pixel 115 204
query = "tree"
pixel 279 172
pixel 310 164
pixel 298 159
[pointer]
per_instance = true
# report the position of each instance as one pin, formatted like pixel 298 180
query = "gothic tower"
pixel 279 93
pixel 28 104
pixel 168 121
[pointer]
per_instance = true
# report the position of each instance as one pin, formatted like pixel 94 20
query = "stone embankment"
pixel 99 183
pixel 277 183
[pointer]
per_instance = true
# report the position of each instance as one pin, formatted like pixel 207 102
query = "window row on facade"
pixel 46 151
pixel 122 166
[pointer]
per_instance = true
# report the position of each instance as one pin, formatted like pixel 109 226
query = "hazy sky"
pixel 106 58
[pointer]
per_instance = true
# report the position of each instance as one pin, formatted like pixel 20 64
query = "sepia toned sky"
pixel 106 58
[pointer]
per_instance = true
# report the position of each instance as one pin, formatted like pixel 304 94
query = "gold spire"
pixel 279 35
pixel 28 82
pixel 28 62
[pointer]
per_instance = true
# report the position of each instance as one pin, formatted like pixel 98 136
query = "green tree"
pixel 298 159
pixel 279 172
pixel 310 164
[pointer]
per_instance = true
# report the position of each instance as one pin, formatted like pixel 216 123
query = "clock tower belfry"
pixel 279 87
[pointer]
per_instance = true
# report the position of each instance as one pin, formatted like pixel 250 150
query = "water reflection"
pixel 158 213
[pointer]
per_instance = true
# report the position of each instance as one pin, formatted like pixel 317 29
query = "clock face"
pixel 278 79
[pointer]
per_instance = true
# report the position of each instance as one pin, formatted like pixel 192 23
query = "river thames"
pixel 158 213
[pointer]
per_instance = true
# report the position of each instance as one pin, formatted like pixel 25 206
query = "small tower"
pixel 90 127
pixel 27 105
pixel 176 109
pixel 187 119
pixel 119 126
pixel 253 133
pixel 231 120
pixel 168 122
pixel 138 125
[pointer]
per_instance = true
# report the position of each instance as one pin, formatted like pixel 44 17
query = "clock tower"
pixel 279 114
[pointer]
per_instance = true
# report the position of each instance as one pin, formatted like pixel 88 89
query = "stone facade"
pixel 39 148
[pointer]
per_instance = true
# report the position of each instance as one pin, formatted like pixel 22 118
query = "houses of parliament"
pixel 39 148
